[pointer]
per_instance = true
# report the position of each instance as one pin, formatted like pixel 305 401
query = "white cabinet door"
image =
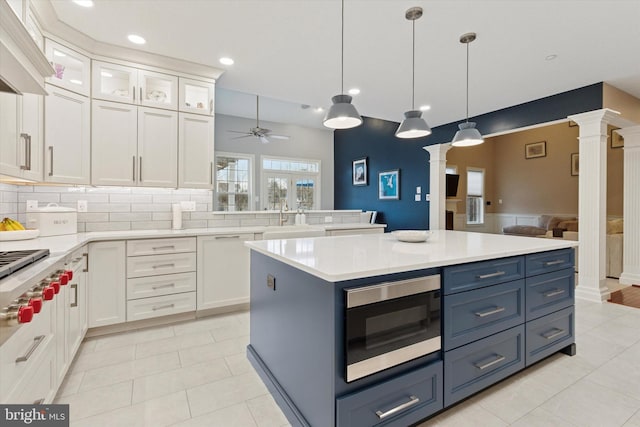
pixel 223 270
pixel 11 153
pixel 157 90
pixel 114 82
pixel 72 69
pixel 77 303
pixel 195 151
pixel 196 96
pixel 66 137
pixel 114 135
pixel 157 147
pixel 107 283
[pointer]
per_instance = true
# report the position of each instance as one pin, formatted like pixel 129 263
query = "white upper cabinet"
pixel 72 69
pixel 196 96
pixel 195 151
pixel 113 82
pixel 157 148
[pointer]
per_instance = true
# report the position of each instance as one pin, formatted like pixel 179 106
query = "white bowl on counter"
pixel 18 235
pixel 411 236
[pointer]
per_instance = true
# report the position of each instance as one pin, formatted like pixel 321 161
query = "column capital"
pixel 596 116
pixel 438 151
pixel 631 136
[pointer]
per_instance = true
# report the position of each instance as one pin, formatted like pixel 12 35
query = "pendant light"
pixel 342 114
pixel 413 125
pixel 468 135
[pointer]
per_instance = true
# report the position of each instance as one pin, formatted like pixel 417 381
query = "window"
pixel 451 169
pixel 291 182
pixel 475 196
pixel 233 182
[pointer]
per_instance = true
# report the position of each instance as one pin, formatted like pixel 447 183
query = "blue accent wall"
pixel 375 140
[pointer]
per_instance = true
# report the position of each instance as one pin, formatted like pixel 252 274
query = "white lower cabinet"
pixel 223 270
pixel 77 301
pixel 107 283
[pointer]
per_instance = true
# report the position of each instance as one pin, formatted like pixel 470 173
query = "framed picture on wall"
pixel 535 149
pixel 617 141
pixel 389 185
pixel 359 172
pixel 575 164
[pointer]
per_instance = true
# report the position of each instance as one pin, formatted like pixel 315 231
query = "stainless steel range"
pixel 12 261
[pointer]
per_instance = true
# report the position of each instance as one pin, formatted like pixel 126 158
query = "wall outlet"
pixel 328 219
pixel 32 205
pixel 418 190
pixel 427 197
pixel 417 198
pixel 188 206
pixel 82 206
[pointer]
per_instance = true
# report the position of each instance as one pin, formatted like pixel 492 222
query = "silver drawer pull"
pixel 490 312
pixel 36 342
pixel 412 401
pixel 227 237
pixel 552 335
pixel 554 293
pixel 170 285
pixel 157 248
pixel 556 262
pixel 162 307
pixel 499 358
pixel 164 265
pixel 496 274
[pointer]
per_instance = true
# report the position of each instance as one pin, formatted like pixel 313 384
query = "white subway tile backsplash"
pixel 150 225
pixel 130 216
pixel 223 223
pixel 202 215
pixel 89 197
pixel 170 198
pixel 130 198
pixel 93 217
pixel 109 207
pixel 161 216
pixel 41 197
pixel 8 197
pixel 107 226
pixel 254 222
pixel 195 223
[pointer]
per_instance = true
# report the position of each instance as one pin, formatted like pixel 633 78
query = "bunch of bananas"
pixel 9 224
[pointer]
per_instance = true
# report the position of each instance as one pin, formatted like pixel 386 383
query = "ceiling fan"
pixel 262 134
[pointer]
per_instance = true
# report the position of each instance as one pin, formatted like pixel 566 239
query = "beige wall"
pixel 627 105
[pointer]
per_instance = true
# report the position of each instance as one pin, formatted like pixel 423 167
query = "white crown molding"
pixel 63 33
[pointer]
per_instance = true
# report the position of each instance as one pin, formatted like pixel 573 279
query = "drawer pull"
pixel 157 248
pixel 162 307
pixel 556 262
pixel 164 265
pixel 169 285
pixel 227 237
pixel 490 312
pixel 412 401
pixel 554 293
pixel 499 358
pixel 486 276
pixel 75 297
pixel 552 335
pixel 36 342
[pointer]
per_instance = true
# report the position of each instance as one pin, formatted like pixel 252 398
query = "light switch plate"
pixel 82 206
pixel 188 206
pixel 427 197
pixel 328 219
pixel 418 190
pixel 417 198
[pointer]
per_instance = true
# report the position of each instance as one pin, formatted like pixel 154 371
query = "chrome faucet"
pixel 283 208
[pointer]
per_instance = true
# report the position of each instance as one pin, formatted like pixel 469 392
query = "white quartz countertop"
pixel 336 259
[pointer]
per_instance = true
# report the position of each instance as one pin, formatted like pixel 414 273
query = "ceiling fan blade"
pixel 278 136
pixel 237 131
pixel 263 139
pixel 243 136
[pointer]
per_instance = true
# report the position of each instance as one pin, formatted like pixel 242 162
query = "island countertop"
pixel 341 258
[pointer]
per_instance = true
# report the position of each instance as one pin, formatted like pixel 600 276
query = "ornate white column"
pixel 592 203
pixel 437 184
pixel 631 211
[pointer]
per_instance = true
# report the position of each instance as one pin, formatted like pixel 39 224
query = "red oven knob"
pixel 69 273
pixel 55 286
pixel 25 314
pixel 36 304
pixel 63 278
pixel 47 293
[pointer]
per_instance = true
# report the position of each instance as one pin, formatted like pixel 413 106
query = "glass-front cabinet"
pixel 114 82
pixel 72 69
pixel 196 96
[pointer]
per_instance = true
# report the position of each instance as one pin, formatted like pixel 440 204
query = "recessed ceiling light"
pixel 354 91
pixel 319 110
pixel 226 61
pixel 551 57
pixel 133 38
pixel 425 107
pixel 84 3
pixel 58 53
pixel 75 81
pixel 106 74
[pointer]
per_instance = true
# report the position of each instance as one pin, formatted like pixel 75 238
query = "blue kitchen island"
pixel 367 330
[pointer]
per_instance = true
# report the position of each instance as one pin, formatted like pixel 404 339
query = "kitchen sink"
pixel 292 232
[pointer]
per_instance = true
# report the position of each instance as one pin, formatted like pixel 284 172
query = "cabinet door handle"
pixel 140 168
pixel 164 266
pixel 486 276
pixel 86 262
pixel 552 335
pixel 157 248
pixel 134 93
pixel 162 307
pixel 36 342
pixel 499 358
pixel 490 312
pixel 51 160
pixel 556 262
pixel 75 295
pixel 554 293
pixel 27 151
pixel 211 106
pixel 211 173
pixel 169 285
pixel 227 237
pixel 141 94
pixel 133 176
pixel 412 401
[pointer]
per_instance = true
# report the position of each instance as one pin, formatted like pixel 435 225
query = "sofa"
pixel 546 223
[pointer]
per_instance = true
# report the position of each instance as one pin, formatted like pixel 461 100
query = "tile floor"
pixel 196 374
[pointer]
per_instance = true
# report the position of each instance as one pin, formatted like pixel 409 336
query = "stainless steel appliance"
pixel 391 323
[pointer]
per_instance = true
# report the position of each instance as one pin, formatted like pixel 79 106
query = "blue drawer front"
pixel 549 334
pixel 469 316
pixel 546 262
pixel 549 292
pixel 475 366
pixel 418 394
pixel 474 275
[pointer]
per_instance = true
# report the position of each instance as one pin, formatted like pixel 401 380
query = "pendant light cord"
pixel 413 67
pixel 467 81
pixel 342 51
